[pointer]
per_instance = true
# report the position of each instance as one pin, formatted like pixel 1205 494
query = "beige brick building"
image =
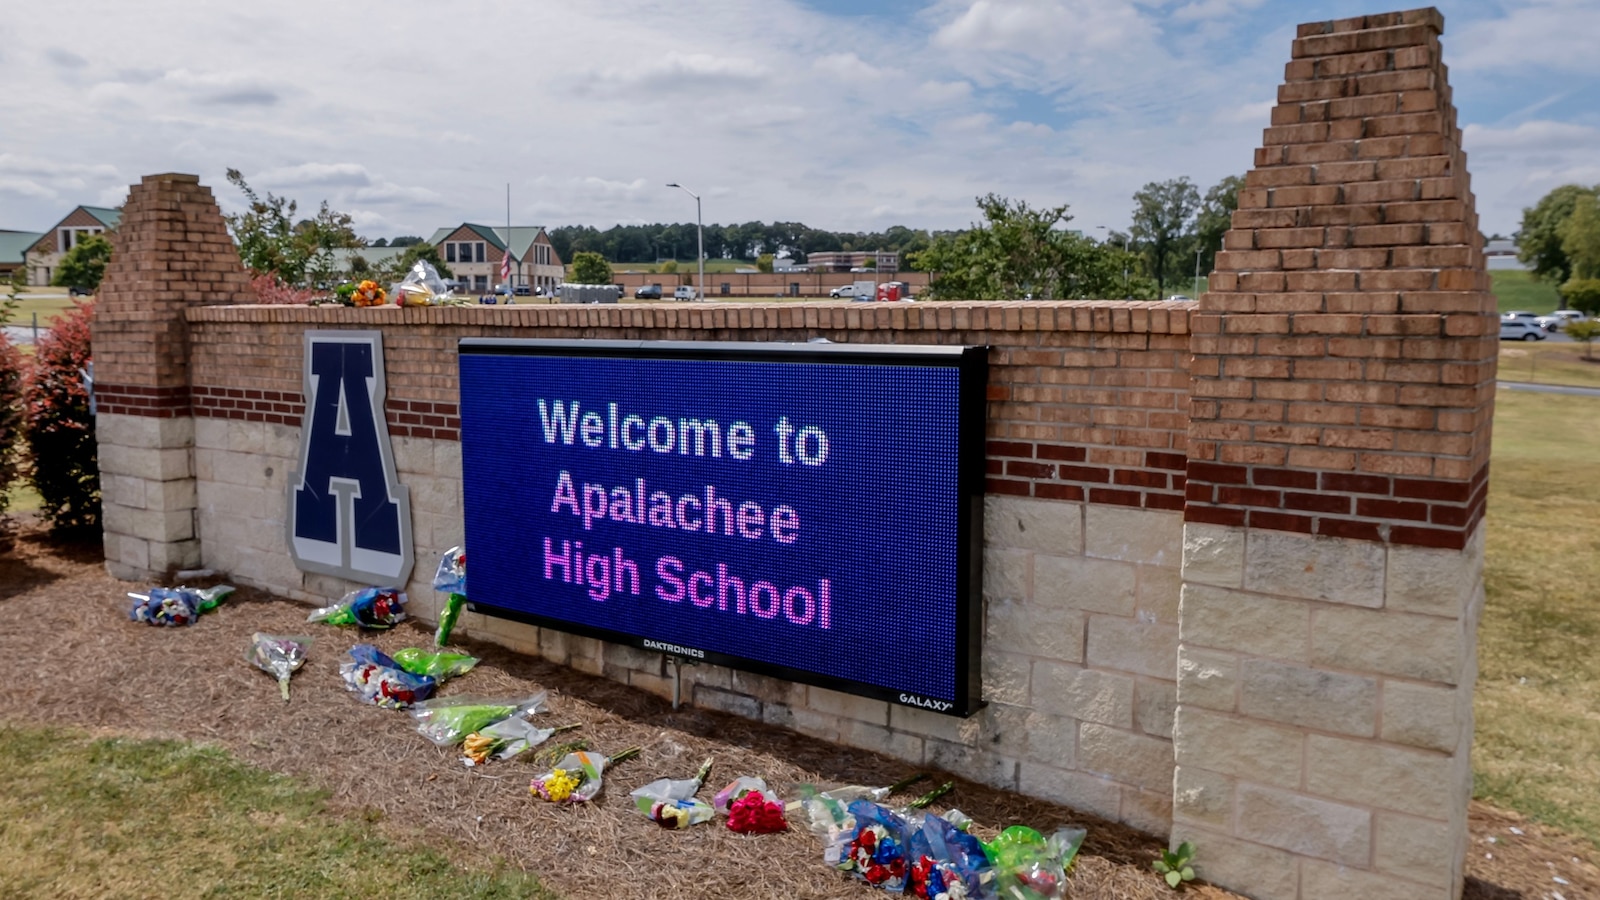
pixel 474 252
pixel 45 254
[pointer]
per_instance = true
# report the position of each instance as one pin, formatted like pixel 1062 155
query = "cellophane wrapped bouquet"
pixel 671 802
pixel 380 680
pixel 374 608
pixel 446 721
pixel 578 777
pixel 175 606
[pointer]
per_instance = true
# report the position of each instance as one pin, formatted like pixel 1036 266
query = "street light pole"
pixel 700 234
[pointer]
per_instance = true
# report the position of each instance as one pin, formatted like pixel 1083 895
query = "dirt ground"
pixel 79 662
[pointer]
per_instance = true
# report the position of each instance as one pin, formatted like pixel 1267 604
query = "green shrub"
pixel 1583 294
pixel 60 432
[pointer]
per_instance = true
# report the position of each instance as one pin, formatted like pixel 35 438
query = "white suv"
pixel 1520 330
pixel 1559 319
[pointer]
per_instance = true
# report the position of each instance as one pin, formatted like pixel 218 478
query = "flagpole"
pixel 511 291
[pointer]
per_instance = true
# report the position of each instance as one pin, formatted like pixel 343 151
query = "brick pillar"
pixel 1344 364
pixel 172 251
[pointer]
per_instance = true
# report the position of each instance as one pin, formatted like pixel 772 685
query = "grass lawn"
pixel 1538 700
pixel 48 308
pixel 1543 362
pixel 82 817
pixel 1516 289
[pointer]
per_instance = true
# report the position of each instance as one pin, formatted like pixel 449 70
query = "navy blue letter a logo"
pixel 348 513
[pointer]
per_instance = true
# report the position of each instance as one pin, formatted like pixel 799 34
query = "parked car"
pixel 684 292
pixel 648 292
pixel 1520 330
pixel 1185 298
pixel 524 290
pixel 843 290
pixel 1517 314
pixel 76 291
pixel 1559 319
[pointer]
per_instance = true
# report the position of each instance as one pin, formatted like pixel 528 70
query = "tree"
pixel 381 242
pixel 60 431
pixel 85 264
pixel 1162 213
pixel 397 267
pixel 1019 252
pixel 589 267
pixel 271 241
pixel 1585 332
pixel 1580 236
pixel 1539 240
pixel 1582 294
pixel 764 262
pixel 1215 218
pixel 405 240
pixel 669 267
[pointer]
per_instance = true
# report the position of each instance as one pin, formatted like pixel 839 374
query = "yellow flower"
pixel 558 786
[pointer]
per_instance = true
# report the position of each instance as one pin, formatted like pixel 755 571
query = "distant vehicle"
pixel 524 290
pixel 1183 297
pixel 684 292
pixel 843 290
pixel 1516 314
pixel 1520 330
pixel 76 291
pixel 648 292
pixel 1560 318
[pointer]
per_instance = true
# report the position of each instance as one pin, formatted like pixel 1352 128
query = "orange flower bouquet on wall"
pixel 368 293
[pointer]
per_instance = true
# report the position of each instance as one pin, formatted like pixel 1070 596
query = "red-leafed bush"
pixel 269 289
pixel 10 420
pixel 60 431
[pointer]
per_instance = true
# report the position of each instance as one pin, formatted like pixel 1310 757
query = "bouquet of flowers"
pixel 450 578
pixel 1030 867
pixel 873 846
pixel 671 803
pixel 373 607
pixel 175 606
pixel 380 680
pixel 577 777
pixel 278 656
pixel 368 293
pixel 751 807
pixel 505 739
pixel 824 811
pixel 422 286
pixel 949 863
pixel 448 720
pixel 440 666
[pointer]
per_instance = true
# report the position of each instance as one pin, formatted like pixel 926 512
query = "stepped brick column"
pixel 1344 365
pixel 172 251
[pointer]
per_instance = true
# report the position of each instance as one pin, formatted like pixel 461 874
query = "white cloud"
pixel 1538 136
pixel 767 108
pixel 1555 35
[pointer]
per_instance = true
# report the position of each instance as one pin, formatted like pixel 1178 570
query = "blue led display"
pixel 807 511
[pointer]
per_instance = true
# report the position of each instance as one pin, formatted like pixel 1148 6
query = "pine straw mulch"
pixel 83 664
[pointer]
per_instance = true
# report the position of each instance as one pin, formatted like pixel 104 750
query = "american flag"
pixel 505 266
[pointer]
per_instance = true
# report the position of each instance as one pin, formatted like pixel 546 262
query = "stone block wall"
pixel 1233 549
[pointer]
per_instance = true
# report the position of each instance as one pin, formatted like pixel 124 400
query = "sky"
pixel 849 115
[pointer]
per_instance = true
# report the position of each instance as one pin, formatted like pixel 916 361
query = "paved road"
pixel 23 334
pixel 1551 388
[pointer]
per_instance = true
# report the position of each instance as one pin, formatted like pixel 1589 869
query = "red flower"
pixel 877 874
pixel 753 813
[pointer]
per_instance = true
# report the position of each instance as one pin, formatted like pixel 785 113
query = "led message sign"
pixel 809 511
